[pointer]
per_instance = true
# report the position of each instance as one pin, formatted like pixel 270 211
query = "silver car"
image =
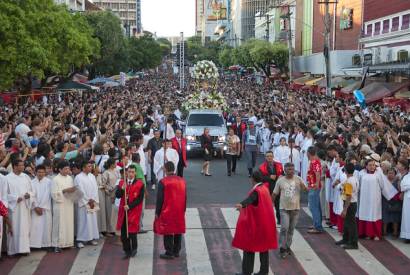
pixel 197 121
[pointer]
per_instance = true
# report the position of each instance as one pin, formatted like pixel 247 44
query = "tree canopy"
pixel 196 51
pixel 39 38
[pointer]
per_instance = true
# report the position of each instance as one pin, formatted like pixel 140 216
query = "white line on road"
pixel 87 259
pixel 361 256
pixel 198 261
pixel 142 263
pixel 28 265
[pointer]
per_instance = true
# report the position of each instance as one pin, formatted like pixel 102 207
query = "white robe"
pixel 372 187
pixel 296 160
pixel 405 218
pixel 334 167
pixel 266 140
pixel 87 224
pixel 299 140
pixel 282 153
pixel 305 160
pixel 19 213
pixel 142 160
pixel 172 155
pixel 40 235
pixel 3 198
pixel 337 198
pixel 63 213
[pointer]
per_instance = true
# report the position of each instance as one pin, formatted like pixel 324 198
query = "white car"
pixel 197 121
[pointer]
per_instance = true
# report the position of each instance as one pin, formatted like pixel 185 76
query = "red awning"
pixel 376 91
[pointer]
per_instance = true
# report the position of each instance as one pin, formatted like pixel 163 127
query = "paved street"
pixel 207 247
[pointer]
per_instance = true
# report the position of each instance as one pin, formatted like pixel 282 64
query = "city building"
pixel 129 11
pixel 386 37
pixel 212 19
pixel 249 8
pixel 345 31
pixel 73 5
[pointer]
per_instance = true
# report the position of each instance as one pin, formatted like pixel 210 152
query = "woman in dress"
pixel 391 210
pixel 109 179
pixel 208 148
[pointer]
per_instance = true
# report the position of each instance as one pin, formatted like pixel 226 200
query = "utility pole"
pixel 326 48
pixel 267 26
pixel 182 63
pixel 289 36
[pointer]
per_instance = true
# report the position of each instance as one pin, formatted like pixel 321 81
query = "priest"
pixel 20 198
pixel 130 191
pixel 179 144
pixel 63 194
pixel 256 227
pixel 403 166
pixel 3 209
pixel 170 211
pixel 41 218
pixel 87 224
pixel 160 159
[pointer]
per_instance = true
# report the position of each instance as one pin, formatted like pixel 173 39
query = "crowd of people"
pixel 63 159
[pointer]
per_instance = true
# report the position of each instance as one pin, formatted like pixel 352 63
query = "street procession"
pixel 214 144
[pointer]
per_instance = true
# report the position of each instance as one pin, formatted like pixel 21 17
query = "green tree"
pixel 144 52
pixel 165 45
pixel 225 57
pixel 113 56
pixel 39 38
pixel 196 51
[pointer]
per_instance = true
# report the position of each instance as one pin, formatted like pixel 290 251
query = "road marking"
pixel 27 265
pixel 231 216
pixel 142 263
pixel 361 256
pixel 400 245
pixel 86 259
pixel 196 250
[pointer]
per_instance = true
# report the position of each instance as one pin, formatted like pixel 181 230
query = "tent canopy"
pixel 376 91
pixel 100 80
pixel 337 81
pixel 73 85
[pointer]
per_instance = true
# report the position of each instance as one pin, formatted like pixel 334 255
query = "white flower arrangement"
pixel 201 100
pixel 205 69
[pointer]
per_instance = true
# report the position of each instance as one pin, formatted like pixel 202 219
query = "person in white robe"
pixel 402 166
pixel 87 224
pixel 282 152
pixel 63 194
pixel 307 142
pixel 371 188
pixel 20 198
pixel 41 218
pixel 266 140
pixel 3 198
pixel 339 179
pixel 299 138
pixel 171 155
pixel 294 156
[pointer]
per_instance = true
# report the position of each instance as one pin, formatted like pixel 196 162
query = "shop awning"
pixel 314 81
pixel 376 91
pixel 337 81
pixel 73 85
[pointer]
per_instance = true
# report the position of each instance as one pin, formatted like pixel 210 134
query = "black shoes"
pixel 142 231
pixel 349 246
pixel 340 242
pixel 282 253
pixel 166 256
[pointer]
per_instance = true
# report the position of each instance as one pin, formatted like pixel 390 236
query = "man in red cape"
pixel 271 170
pixel 179 144
pixel 170 211
pixel 256 227
pixel 134 190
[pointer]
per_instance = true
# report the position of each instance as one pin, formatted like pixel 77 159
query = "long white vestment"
pixel 172 155
pixel 405 218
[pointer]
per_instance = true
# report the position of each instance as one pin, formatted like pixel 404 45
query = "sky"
pixel 168 17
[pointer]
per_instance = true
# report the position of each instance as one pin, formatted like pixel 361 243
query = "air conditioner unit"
pixel 402 55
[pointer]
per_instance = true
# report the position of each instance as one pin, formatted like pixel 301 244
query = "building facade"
pixel 129 11
pixel 74 5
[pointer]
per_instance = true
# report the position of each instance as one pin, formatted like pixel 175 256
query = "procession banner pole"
pixel 126 201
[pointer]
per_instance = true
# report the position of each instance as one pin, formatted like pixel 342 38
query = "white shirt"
pixel 172 155
pixel 22 129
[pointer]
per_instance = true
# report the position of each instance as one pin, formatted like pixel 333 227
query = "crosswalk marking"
pixel 231 216
pixel 361 256
pixel 86 259
pixel 198 261
pixel 400 245
pixel 27 265
pixel 142 263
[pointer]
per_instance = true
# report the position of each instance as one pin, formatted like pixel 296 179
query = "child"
pixel 349 197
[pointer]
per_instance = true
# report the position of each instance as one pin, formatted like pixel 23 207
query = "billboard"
pixel 216 10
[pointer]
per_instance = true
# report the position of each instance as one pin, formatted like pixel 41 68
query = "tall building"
pixel 129 11
pixel 74 5
pixel 250 8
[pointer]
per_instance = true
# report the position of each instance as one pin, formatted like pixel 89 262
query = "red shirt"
pixel 3 210
pixel 314 167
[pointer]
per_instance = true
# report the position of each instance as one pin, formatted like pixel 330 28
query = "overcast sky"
pixel 168 17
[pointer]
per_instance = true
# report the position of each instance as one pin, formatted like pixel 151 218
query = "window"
pixel 131 6
pixel 405 22
pixel 367 59
pixel 395 24
pixel 386 26
pixel 205 120
pixel 115 6
pixel 369 30
pixel 377 28
pixel 356 60
pixel 402 55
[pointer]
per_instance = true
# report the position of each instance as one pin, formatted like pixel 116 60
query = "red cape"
pixel 172 218
pixel 134 215
pixel 175 145
pixel 256 226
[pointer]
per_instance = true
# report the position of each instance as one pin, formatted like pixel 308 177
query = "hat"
pixel 366 149
pixel 374 156
pixel 358 119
